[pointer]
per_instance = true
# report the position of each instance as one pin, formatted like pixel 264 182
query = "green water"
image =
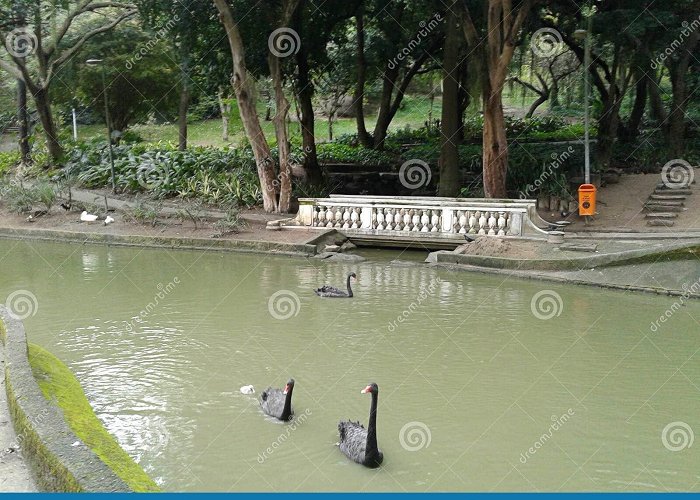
pixel 472 377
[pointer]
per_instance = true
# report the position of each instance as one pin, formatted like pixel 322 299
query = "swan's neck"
pixel 372 427
pixel 349 289
pixel 287 410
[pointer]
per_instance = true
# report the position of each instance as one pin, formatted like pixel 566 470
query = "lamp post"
pixel 586 35
pixel 96 62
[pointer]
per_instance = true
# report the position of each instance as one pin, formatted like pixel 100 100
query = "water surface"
pixel 476 391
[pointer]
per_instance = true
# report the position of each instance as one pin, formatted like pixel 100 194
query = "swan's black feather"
pixel 353 440
pixel 331 291
pixel 272 402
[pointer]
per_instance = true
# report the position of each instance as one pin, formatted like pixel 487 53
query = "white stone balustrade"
pixel 419 216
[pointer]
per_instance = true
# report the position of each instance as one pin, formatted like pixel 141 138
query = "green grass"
pixel 413 113
pixel 58 384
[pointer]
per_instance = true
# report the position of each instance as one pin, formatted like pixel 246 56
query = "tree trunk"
pixel 495 145
pixel 280 121
pixel 679 84
pixel 184 103
pixel 43 107
pixel 245 97
pixel 23 116
pixel 385 115
pixel 225 109
pixel 308 135
pixel 359 97
pixel 450 123
pixel 658 110
pixel 503 25
pixel 631 130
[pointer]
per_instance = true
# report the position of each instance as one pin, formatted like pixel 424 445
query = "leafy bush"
pixel 214 175
pixel 342 153
pixel 231 223
pixel 21 199
pixel 8 160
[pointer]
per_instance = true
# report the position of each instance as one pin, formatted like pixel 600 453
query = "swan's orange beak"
pixel 366 390
pixel 286 389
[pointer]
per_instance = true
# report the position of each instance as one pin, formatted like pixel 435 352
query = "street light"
pixel 98 62
pixel 586 35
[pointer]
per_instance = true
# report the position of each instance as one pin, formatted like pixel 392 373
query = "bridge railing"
pixel 421 216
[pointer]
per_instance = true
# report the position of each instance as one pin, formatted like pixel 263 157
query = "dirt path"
pixel 620 207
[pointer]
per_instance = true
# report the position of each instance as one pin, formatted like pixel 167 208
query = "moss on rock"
pixel 59 385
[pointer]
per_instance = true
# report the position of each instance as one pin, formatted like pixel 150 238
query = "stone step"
pixel 662 208
pixel 674 191
pixel 668 197
pixel 662 215
pixel 686 185
pixel 670 203
pixel 660 222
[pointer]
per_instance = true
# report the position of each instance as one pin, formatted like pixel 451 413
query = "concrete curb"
pixel 576 263
pixel 528 275
pixel 290 249
pixel 61 461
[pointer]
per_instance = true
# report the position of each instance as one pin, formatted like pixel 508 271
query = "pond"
pixel 485 382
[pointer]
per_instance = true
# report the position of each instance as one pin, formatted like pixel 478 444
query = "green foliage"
pixel 192 210
pixel 139 74
pixel 342 153
pixel 213 175
pixel 45 193
pixel 231 223
pixel 8 159
pixel 22 199
pixel 146 212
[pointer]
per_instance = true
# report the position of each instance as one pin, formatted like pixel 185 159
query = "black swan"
pixel 277 402
pixel 331 291
pixel 358 443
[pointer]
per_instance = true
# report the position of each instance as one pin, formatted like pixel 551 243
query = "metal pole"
pixel 587 85
pixel 75 126
pixel 109 131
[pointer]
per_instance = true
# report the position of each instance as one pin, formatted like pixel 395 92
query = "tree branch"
pixel 69 52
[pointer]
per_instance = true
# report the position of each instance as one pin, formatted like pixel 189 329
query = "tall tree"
pixel 451 115
pixel 495 49
pixel 54 33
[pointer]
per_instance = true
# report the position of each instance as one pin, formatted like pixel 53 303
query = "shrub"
pixel 231 223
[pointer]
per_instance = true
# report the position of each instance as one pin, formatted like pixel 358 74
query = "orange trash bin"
pixel 586 199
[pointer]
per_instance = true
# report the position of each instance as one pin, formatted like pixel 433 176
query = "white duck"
pixel 86 217
pixel 109 220
pixel 247 389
